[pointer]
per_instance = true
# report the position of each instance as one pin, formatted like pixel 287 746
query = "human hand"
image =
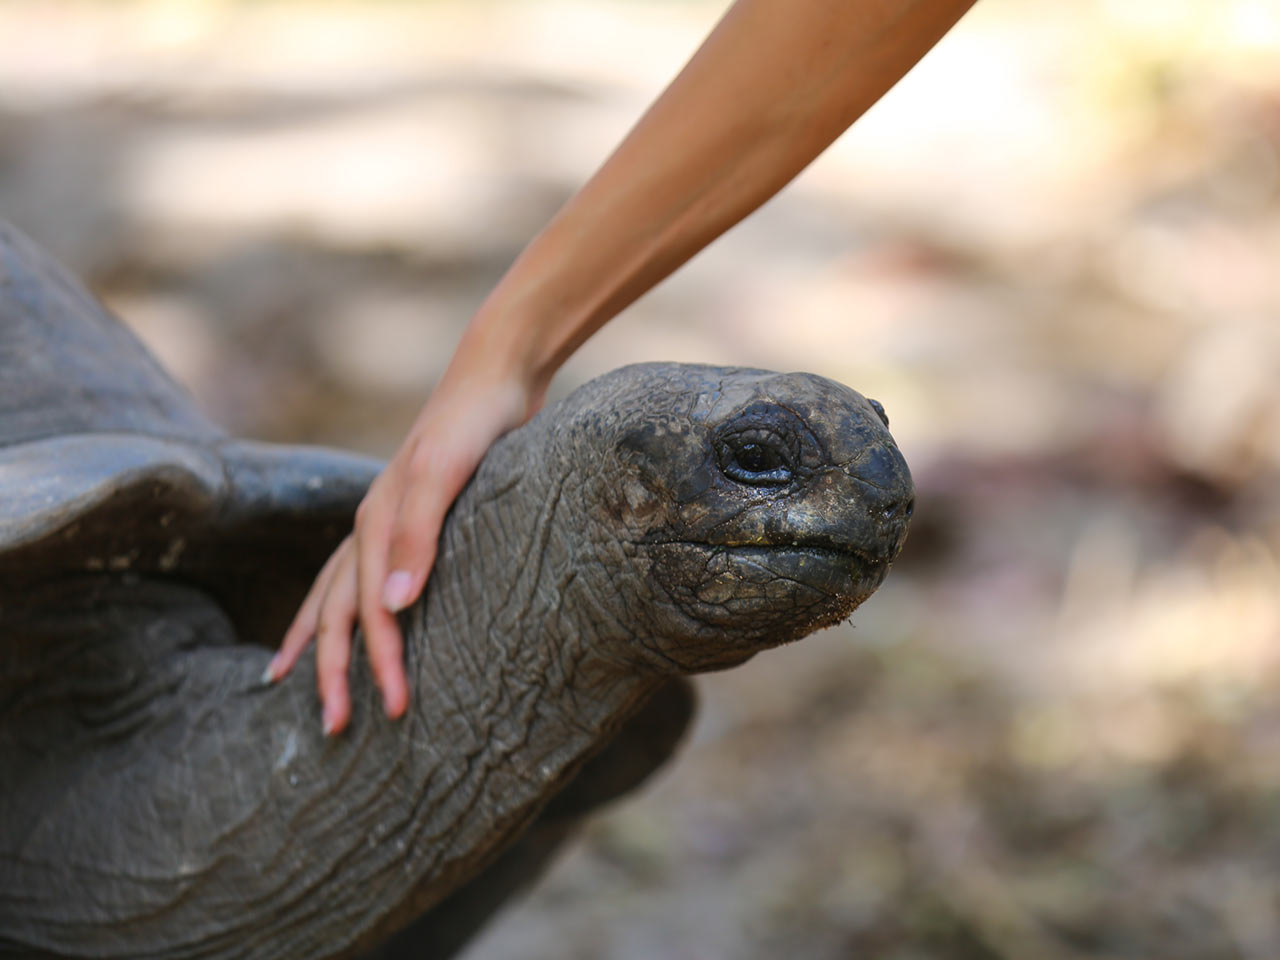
pixel 383 565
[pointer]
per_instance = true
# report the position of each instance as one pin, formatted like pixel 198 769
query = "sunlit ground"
pixel 1053 253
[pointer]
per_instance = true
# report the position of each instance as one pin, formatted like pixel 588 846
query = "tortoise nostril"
pixel 899 508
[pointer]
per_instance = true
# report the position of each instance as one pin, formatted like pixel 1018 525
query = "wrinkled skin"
pixel 159 800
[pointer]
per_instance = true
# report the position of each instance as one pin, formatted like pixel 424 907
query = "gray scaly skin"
pixel 159 801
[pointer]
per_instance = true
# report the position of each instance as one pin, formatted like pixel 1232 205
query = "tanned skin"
pixel 772 86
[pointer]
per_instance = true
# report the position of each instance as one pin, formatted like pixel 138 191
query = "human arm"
pixel 772 86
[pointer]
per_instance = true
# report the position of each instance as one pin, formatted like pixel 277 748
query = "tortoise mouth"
pixel 747 596
pixel 825 550
pixel 840 572
pixel 761 576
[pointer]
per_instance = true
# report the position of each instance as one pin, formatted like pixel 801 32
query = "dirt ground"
pixel 1053 253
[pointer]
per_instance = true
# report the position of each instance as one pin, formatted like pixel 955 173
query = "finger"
pixel 333 643
pixel 413 546
pixel 415 535
pixel 382 639
pixel 303 627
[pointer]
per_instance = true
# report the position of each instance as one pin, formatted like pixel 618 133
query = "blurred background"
pixel 1053 252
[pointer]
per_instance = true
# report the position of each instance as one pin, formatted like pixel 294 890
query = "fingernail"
pixel 330 721
pixel 269 674
pixel 397 591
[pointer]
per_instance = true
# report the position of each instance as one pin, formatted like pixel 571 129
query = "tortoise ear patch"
pixel 674 453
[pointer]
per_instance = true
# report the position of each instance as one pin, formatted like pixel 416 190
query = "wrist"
pixel 500 356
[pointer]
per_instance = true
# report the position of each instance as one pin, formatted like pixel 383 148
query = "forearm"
pixel 773 85
pixel 770 89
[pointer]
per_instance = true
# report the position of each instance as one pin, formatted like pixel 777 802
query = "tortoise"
pixel 160 800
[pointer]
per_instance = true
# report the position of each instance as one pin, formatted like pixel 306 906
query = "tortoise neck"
pixel 512 620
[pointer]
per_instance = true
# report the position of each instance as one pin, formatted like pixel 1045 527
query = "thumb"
pixel 415 534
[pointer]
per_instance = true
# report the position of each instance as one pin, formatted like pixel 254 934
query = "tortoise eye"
pixel 756 461
pixel 755 458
